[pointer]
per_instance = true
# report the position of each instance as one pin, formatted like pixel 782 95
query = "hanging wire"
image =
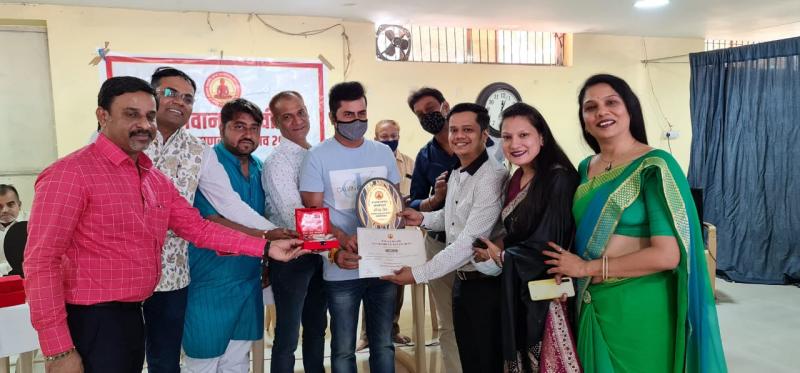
pixel 653 92
pixel 347 56
pixel 208 21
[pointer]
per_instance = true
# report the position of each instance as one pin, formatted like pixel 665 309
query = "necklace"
pixel 621 156
pixel 608 165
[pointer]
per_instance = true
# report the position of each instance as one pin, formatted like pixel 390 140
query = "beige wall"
pixel 75 32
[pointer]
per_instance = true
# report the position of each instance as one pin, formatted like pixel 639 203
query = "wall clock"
pixel 495 98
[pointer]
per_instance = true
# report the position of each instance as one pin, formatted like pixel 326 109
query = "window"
pixel 714 44
pixel 417 43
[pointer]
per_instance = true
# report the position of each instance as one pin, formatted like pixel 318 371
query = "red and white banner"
pixel 219 81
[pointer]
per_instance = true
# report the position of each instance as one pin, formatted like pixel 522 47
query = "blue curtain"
pixel 745 105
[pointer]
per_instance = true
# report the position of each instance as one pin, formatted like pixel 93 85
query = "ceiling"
pixel 723 19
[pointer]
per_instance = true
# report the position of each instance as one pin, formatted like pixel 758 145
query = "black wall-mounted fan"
pixel 392 43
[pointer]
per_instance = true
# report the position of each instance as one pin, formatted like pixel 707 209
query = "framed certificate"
pixel 384 251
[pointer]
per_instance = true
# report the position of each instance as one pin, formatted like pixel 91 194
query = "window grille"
pixel 416 43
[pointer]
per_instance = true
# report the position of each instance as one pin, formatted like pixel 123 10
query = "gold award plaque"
pixel 378 203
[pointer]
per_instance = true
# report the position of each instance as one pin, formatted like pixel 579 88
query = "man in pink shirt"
pixel 97 226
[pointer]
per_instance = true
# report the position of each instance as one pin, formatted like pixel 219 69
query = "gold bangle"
pixel 59 356
pixel 332 255
pixel 605 267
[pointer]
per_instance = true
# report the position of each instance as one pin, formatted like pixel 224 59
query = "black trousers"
pixel 109 337
pixel 476 320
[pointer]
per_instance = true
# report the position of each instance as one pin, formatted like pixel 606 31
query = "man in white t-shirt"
pixel 331 176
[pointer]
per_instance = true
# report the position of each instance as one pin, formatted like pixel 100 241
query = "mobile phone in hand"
pixel 548 289
pixel 479 244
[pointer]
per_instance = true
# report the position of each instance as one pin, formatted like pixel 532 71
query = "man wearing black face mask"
pixel 331 175
pixel 428 191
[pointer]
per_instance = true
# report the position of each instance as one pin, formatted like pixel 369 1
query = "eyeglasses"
pixel 172 93
pixel 241 128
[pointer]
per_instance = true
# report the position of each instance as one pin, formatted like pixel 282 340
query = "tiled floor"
pixel 760 330
pixel 760 327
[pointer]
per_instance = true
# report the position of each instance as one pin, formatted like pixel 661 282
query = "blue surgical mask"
pixel 392 144
pixel 352 130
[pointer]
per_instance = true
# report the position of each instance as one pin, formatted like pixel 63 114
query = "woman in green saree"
pixel 644 300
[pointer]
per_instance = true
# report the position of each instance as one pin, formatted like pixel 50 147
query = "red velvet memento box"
pixel 314 227
pixel 12 291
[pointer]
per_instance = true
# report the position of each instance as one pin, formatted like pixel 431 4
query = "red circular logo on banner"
pixel 221 87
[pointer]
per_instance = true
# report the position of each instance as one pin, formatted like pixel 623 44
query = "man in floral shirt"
pixel 190 164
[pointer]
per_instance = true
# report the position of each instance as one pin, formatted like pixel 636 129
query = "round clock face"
pixel 497 102
pixel 496 97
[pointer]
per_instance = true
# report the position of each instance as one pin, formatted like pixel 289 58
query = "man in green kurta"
pixel 224 313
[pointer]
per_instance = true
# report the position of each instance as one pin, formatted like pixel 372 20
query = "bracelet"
pixel 332 255
pixel 59 356
pixel 605 268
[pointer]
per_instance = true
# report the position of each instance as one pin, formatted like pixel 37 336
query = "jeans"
pixel 344 299
pixel 164 314
pixel 299 297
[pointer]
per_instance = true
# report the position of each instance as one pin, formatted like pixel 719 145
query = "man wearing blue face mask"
pixel 387 131
pixel 331 175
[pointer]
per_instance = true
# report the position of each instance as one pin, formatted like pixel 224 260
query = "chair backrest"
pixel 14 246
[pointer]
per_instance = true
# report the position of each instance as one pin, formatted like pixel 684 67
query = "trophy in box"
pixel 314 227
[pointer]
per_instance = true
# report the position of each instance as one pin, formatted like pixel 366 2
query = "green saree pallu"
pixel 662 322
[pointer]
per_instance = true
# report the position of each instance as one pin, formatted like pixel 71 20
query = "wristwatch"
pixel 266 249
pixel 59 356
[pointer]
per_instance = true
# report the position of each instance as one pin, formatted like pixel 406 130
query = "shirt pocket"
pixel 156 216
pixel 156 211
pixel 463 204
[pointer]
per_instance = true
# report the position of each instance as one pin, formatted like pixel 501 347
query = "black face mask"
pixel 392 144
pixel 432 122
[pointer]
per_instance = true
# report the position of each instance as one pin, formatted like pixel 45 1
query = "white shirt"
pixel 281 182
pixel 472 208
pixel 216 187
